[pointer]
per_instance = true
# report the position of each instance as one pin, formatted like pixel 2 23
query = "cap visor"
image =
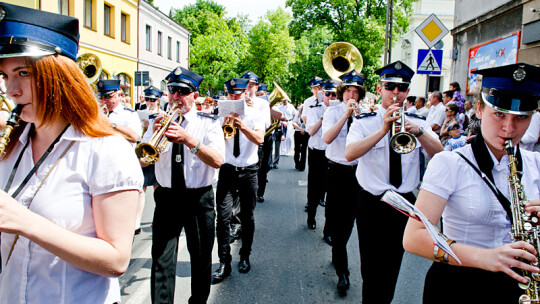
pixel 18 50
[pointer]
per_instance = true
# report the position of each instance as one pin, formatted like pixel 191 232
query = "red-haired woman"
pixel 69 184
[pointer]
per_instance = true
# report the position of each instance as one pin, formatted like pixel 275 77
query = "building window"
pixel 178 51
pixel 159 43
pixel 63 7
pixel 88 13
pixel 125 83
pixel 124 25
pixel 148 38
pixel 104 75
pixel 108 20
pixel 169 48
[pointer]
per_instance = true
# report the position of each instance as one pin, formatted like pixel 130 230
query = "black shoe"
pixel 311 224
pixel 223 271
pixel 328 240
pixel 343 282
pixel 276 167
pixel 260 199
pixel 244 266
pixel 322 203
pixel 138 231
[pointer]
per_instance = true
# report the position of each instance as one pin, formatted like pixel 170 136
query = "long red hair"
pixel 60 90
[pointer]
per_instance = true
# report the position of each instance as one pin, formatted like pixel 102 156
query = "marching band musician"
pixel 380 169
pixel 265 150
pixel 70 183
pixel 474 217
pixel 317 161
pixel 238 180
pixel 185 171
pixel 342 185
pixel 315 87
pixel 123 120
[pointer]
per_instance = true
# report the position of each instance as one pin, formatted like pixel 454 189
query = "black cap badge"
pixel 520 73
pixel 398 66
pixel 178 71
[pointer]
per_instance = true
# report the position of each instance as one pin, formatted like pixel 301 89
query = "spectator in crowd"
pixel 456 140
pixel 436 116
pixel 421 109
pixel 461 117
pixel 410 104
pixel 468 109
pixel 457 97
pixel 449 122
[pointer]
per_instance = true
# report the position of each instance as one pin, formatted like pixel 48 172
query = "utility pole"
pixel 388 36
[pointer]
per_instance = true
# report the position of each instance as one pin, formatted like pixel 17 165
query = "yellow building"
pixel 108 29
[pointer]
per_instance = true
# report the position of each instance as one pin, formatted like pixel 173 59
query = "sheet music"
pixel 401 204
pixel 228 106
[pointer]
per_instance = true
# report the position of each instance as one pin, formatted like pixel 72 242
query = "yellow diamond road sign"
pixel 431 30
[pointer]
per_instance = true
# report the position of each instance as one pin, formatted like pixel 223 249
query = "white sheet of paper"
pixel 227 106
pixel 401 204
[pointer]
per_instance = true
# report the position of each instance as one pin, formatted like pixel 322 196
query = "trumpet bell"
pixel 147 153
pixel 228 129
pixel 403 143
pixel 340 58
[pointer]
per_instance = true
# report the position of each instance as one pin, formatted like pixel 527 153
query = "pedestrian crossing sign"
pixel 429 62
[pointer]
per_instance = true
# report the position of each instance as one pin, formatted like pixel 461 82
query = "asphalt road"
pixel 290 263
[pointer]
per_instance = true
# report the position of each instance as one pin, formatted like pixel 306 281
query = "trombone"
pixel 148 153
pixel 401 141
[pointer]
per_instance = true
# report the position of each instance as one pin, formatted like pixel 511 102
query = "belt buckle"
pixel 238 169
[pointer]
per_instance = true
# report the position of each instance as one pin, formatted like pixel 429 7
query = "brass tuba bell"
pixel 91 67
pixel 340 58
pixel 277 95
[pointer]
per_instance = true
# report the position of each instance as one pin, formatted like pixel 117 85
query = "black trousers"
pixel 241 185
pixel 446 284
pixel 340 212
pixel 300 149
pixel 264 156
pixel 192 210
pixel 316 188
pixel 277 145
pixel 380 237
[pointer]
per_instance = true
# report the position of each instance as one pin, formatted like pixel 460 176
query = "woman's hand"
pixel 14 216
pixel 509 256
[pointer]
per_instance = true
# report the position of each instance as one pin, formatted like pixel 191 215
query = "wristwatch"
pixel 113 125
pixel 196 149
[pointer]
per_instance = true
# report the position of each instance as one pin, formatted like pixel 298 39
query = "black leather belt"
pixel 248 168
pixel 333 163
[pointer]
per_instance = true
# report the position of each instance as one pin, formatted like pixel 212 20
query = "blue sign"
pixel 429 62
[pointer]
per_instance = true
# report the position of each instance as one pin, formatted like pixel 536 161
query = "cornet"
pixel 228 128
pixel 401 141
pixel 148 153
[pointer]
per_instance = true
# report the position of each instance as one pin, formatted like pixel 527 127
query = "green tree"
pixel 271 48
pixel 218 44
pixel 361 23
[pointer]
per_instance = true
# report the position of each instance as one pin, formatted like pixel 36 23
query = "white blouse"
pixel 335 151
pixel 315 112
pixel 92 166
pixel 473 215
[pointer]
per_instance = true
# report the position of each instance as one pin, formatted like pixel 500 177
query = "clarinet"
pixel 11 123
pixel 525 226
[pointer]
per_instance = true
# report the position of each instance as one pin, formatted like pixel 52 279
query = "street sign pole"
pixel 427 84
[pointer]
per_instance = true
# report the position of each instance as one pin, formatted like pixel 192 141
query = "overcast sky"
pixel 254 9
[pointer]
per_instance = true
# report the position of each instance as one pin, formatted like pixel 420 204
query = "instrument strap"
pixel 36 166
pixel 505 203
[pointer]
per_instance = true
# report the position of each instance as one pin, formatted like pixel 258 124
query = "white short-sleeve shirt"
pixel 473 215
pixel 315 112
pixel 373 172
pixel 197 174
pixel 335 151
pixel 126 117
pixel 530 137
pixel 92 166
pixel 436 116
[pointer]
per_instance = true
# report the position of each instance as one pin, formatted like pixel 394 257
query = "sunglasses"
pixel 390 86
pixel 106 96
pixel 150 99
pixel 330 94
pixel 179 90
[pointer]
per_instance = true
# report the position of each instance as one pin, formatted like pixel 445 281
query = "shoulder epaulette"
pixel 362 115
pixel 415 115
pixel 129 109
pixel 214 117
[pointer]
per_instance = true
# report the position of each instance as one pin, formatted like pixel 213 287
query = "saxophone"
pixel 525 226
pixel 11 123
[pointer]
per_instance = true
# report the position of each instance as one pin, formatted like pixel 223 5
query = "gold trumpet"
pixel 228 128
pixel 401 141
pixel 11 123
pixel 148 153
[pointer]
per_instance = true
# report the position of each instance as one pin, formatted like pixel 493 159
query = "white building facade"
pixel 163 45
pixel 405 48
